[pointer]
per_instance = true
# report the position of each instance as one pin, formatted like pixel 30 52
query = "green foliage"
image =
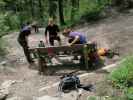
pixel 3 26
pixel 52 8
pixel 3 29
pixel 8 22
pixel 12 21
pixel 19 12
pixel 2 47
pixel 129 93
pixel 94 9
pixel 89 10
pixel 92 98
pixel 123 77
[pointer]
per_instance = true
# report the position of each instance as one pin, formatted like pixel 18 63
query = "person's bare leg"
pixel 60 43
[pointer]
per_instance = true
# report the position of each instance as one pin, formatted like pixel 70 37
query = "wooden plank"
pixel 80 49
pixel 55 49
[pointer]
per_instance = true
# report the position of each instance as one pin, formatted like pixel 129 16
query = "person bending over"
pixel 23 41
pixel 53 30
pixel 74 37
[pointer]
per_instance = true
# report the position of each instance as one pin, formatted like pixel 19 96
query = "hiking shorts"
pixel 52 38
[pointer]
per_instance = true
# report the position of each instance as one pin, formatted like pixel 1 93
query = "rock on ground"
pixel 74 95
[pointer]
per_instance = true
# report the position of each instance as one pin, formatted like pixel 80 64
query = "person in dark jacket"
pixel 23 41
pixel 53 30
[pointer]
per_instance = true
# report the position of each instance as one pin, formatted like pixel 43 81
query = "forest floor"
pixel 113 32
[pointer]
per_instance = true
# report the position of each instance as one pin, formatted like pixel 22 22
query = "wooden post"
pixel 42 64
pixel 85 56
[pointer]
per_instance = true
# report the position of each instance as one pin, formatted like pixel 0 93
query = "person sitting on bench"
pixel 74 37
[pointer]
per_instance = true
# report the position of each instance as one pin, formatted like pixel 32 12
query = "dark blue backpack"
pixel 72 82
pixel 68 83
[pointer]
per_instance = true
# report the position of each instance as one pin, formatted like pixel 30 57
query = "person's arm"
pixel 58 30
pixel 74 41
pixel 46 34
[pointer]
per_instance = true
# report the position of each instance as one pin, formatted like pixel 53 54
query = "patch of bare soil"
pixel 113 32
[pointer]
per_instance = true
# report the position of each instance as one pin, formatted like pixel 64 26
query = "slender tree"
pixel 61 14
pixel 73 10
pixel 52 8
pixel 40 9
pixel 31 2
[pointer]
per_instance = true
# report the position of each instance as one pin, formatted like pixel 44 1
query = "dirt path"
pixel 110 33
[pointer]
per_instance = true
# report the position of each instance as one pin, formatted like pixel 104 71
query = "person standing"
pixel 53 30
pixel 23 41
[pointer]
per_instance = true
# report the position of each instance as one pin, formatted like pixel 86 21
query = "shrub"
pixel 3 30
pixel 3 27
pixel 2 48
pixel 122 77
pixel 92 98
pixel 129 93
pixel 12 21
pixel 89 10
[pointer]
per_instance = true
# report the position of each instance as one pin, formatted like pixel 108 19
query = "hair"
pixel 27 23
pixel 50 20
pixel 66 31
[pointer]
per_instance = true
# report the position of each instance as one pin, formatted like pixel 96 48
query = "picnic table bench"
pixel 43 54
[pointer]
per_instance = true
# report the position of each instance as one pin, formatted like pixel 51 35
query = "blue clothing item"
pixel 24 32
pixel 82 38
pixel 25 29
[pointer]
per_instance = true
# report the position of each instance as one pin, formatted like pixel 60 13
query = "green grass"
pixel 122 78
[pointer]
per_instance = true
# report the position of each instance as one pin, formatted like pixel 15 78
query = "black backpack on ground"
pixel 68 83
pixel 72 82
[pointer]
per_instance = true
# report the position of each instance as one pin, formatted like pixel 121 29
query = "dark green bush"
pixel 129 93
pixel 89 11
pixel 123 77
pixel 2 48
pixel 3 26
pixel 12 21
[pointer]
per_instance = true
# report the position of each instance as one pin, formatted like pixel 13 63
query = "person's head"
pixel 50 21
pixel 28 23
pixel 66 32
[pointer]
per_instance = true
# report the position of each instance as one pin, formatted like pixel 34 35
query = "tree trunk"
pixel 73 9
pixel 78 4
pixel 32 8
pixel 61 15
pixel 40 9
pixel 52 8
